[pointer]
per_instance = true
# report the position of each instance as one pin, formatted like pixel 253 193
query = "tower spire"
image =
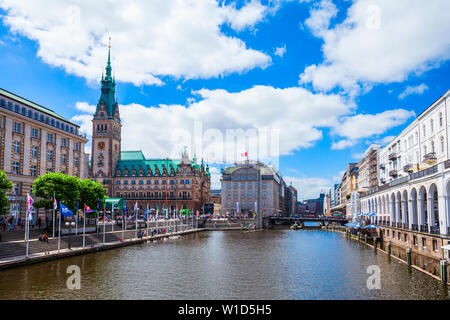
pixel 108 66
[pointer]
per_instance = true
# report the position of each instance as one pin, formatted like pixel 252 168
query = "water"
pixel 275 264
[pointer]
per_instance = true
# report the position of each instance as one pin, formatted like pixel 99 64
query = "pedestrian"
pixel 39 222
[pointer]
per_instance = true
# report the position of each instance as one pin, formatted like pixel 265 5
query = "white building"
pixel 415 175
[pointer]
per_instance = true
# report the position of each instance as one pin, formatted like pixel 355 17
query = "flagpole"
pixel 59 229
pixel 112 216
pixel 84 227
pixel 104 226
pixel 26 231
pixel 135 220
pixel 76 221
pixel 148 213
pixel 53 220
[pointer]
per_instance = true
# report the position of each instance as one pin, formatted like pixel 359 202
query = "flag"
pixel 135 210
pixel 30 201
pixel 125 207
pixel 157 211
pixel 256 207
pixel 245 154
pixel 237 207
pixel 77 206
pixel 55 205
pixel 87 209
pixel 146 213
pixel 98 206
pixel 197 213
pixel 65 211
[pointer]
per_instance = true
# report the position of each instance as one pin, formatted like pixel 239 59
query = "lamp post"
pixel 70 224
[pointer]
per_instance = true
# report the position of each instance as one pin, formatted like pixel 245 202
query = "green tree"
pixel 66 189
pixel 5 185
pixel 90 192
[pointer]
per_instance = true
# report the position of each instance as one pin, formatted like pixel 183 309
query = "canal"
pixel 275 264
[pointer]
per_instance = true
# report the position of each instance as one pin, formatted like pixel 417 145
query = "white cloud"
pixel 343 144
pixel 280 51
pixel 367 125
pixel 413 90
pixel 384 141
pixel 85 107
pixel 150 39
pixel 358 156
pixel 380 41
pixel 296 113
pixel 309 187
pixel 215 178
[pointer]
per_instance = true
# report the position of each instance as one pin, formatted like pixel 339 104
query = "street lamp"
pixel 70 225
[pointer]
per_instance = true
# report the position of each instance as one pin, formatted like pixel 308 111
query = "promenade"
pixel 12 253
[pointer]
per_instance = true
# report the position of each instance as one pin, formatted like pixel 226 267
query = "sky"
pixel 312 83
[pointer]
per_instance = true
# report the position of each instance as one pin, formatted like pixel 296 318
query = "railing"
pixel 407 168
pixel 392 156
pixel 393 173
pixel 424 173
pixel 423 228
pixel 415 227
pixel 434 230
pixel 430 157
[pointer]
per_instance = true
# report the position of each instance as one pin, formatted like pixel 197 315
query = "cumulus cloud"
pixel 150 38
pixel 280 51
pixel 367 125
pixel 421 88
pixel 285 119
pixel 380 41
pixel 343 144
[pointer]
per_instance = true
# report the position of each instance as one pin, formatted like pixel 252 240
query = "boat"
pixel 296 226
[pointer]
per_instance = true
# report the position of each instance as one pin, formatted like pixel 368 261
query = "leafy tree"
pixel 5 185
pixel 90 192
pixel 66 189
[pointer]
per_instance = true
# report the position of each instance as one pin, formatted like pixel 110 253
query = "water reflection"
pixel 275 264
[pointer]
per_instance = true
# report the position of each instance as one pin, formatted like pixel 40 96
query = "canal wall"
pixel 396 243
pixel 38 257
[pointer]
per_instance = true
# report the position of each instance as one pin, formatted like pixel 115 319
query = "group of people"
pixel 11 223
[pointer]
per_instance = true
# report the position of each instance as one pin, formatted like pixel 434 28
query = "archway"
pixel 414 213
pixel 423 210
pixel 405 220
pixel 392 210
pixel 434 209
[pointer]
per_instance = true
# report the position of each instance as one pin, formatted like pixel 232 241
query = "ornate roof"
pixel 108 98
pixel 136 160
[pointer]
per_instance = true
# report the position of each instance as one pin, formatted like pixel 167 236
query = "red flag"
pixel 87 209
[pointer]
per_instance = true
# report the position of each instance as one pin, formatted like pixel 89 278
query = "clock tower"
pixel 106 131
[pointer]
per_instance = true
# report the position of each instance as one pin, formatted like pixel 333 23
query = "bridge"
pixel 300 219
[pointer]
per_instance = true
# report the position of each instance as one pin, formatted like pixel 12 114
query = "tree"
pixel 5 185
pixel 66 189
pixel 90 192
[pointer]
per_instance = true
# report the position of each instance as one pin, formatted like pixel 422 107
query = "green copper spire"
pixel 107 97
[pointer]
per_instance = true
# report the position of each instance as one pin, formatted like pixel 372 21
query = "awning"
pixel 371 226
pixel 353 225
pixel 118 203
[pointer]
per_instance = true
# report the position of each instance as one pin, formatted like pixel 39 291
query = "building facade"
pixel 36 140
pixel 250 187
pixel 173 184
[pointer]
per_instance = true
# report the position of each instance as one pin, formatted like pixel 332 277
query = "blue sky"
pixel 340 84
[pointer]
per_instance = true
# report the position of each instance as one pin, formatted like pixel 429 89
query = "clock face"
pixel 101 146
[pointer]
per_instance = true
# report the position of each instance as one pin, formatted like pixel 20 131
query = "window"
pixel 24 111
pixel 424 150
pixel 34 151
pixel 64 142
pixel 440 119
pixel 16 147
pixel 2 102
pixel 118 182
pixel 187 181
pixel 141 181
pixel 33 171
pixel 133 181
pixel 16 167
pixel 432 146
pixel 63 159
pixel 149 181
pixel 432 125
pixel 415 240
pixel 49 155
pixel 264 185
pixel 52 122
pixel 17 127
pixel 156 181
pixel 50 138
pixel 424 131
pixel 16 108
pixel 442 144
pixel 57 124
pixel 164 182
pixel 435 246
pixel 125 182
pixel 35 133
pixel 10 105
pixel 424 243
pixel 75 162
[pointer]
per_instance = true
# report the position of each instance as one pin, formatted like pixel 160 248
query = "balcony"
pixel 408 168
pixel 415 227
pixel 430 158
pixel 393 173
pixel 423 228
pixel 393 156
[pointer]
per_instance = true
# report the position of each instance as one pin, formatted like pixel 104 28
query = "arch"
pixel 423 209
pixel 405 205
pixel 433 208
pixel 398 208
pixel 414 211
pixel 392 209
